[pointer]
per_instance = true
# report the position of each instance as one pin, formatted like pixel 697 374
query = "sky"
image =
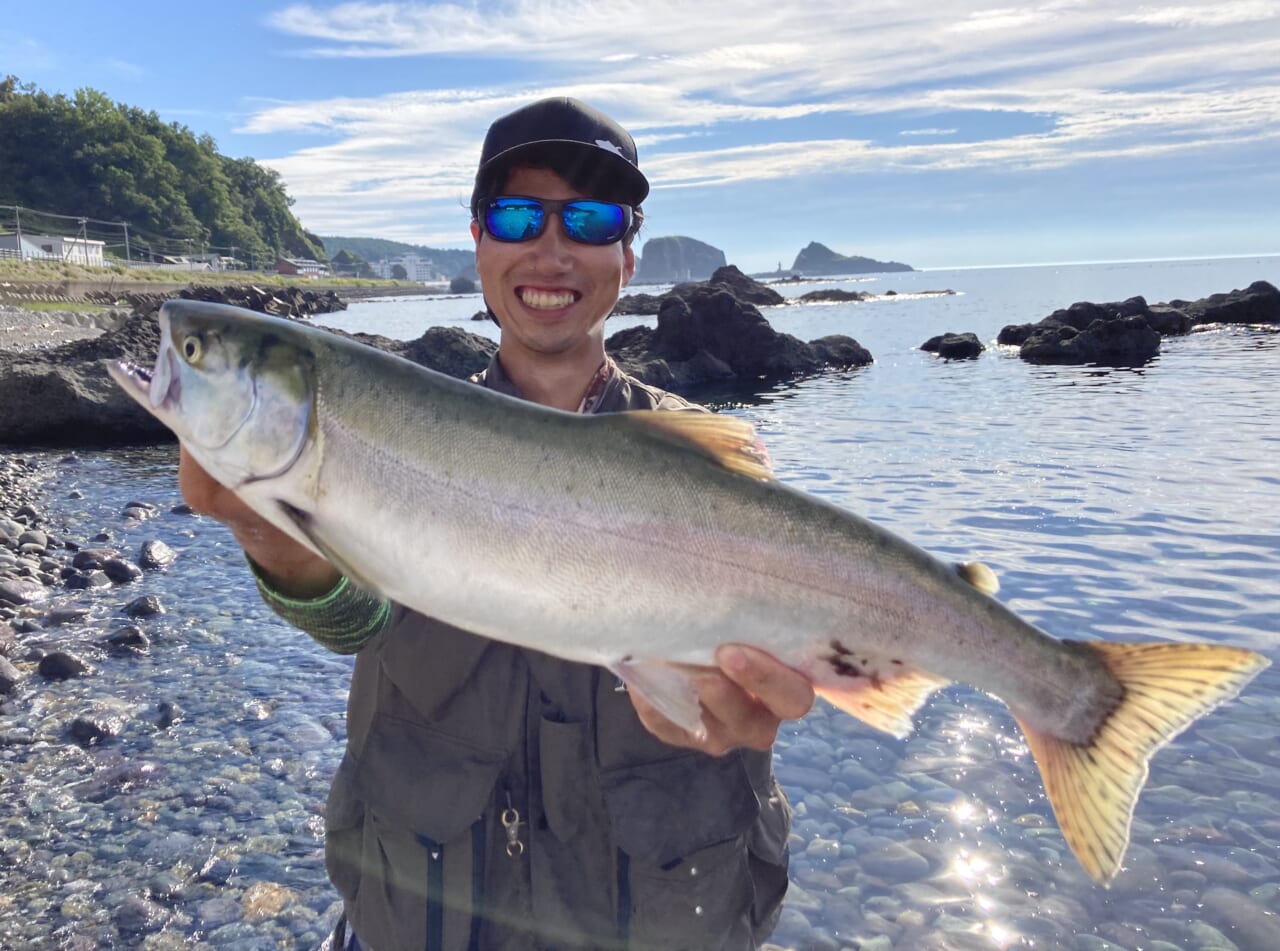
pixel 940 134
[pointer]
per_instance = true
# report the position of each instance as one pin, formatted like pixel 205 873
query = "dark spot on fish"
pixel 840 649
pixel 895 661
pixel 842 667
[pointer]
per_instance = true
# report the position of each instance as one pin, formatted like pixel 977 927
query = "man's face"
pixel 551 295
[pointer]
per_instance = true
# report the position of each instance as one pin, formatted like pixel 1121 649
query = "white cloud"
pixel 727 92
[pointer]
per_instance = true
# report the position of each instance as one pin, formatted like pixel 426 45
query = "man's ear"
pixel 475 232
pixel 628 265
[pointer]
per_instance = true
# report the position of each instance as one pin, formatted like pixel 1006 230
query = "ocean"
pixel 1116 504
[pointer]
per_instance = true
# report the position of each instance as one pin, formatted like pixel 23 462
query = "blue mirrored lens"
pixel 514 219
pixel 585 220
pixel 594 222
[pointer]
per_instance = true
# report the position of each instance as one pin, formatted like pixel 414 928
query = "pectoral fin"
pixel 668 687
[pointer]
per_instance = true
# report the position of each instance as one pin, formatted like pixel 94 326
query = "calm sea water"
pixel 1113 504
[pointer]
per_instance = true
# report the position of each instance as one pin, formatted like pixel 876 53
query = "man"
pixel 493 797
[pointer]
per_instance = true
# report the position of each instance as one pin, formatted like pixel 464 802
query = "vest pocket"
pixel 405 840
pixel 682 826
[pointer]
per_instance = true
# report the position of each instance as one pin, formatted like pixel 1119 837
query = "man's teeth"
pixel 546 300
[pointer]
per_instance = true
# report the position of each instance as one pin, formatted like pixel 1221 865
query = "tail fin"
pixel 1094 788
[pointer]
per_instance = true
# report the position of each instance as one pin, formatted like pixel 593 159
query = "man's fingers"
pixel 787 693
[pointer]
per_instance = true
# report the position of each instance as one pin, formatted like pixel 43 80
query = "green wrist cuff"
pixel 342 619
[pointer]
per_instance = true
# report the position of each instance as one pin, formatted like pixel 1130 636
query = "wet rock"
pixel 91 729
pixel 81 581
pixel 19 591
pixel 217 912
pixel 895 863
pixel 34 537
pixel 68 614
pixel 128 640
pixel 156 554
pixel 146 606
pixel 121 571
pixel 1241 919
pixel 89 558
pixel 1259 303
pixel 138 916
pixel 169 714
pixel 1123 341
pixel 139 510
pixel 10 676
pixel 60 665
pixel 952 346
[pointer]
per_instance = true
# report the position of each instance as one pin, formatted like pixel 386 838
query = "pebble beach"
pixel 166 743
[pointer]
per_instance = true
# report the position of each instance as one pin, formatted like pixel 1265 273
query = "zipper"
pixel 435 892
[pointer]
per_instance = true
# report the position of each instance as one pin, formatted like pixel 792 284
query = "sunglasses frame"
pixel 552 206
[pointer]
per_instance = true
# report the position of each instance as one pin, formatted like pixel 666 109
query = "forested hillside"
pixel 87 156
pixel 450 260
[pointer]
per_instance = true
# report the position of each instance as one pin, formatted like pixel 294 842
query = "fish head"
pixel 236 387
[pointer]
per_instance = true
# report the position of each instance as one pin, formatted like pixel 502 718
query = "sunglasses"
pixel 514 218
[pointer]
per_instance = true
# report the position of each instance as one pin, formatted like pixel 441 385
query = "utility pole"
pixel 128 259
pixel 17 217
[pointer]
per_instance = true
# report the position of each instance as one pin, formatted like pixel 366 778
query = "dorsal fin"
pixel 727 440
pixel 979 576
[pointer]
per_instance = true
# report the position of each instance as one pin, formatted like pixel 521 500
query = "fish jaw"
pixel 158 390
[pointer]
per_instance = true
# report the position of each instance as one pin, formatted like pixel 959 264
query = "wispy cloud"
pixel 723 93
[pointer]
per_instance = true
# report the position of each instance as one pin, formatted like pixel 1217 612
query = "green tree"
pixel 88 156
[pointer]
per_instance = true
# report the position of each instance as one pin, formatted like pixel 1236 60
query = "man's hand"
pixel 743 703
pixel 293 569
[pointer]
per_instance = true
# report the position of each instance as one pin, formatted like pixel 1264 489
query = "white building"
pixel 416 267
pixel 48 247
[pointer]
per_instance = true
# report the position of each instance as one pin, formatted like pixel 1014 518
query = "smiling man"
pixel 493 797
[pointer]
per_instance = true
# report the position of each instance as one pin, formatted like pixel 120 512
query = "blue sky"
pixel 939 134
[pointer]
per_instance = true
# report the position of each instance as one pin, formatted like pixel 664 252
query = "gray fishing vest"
pixel 493 798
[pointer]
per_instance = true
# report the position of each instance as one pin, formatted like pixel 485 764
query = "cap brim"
pixel 634 186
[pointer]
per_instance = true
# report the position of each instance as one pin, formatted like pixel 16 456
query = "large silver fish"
pixel 640 542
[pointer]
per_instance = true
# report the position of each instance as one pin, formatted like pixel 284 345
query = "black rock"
pixel 90 558
pixel 130 639
pixel 19 591
pixel 121 571
pixel 169 714
pixel 951 346
pixel 139 510
pixel 145 606
pixel 833 294
pixel 1124 341
pixel 156 554
pixel 90 730
pixel 677 258
pixel 66 615
pixel 81 581
pixel 10 676
pixel 1259 303
pixel 60 665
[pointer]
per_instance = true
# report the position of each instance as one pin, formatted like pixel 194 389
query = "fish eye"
pixel 192 348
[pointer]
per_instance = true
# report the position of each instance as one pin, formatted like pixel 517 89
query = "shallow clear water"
pixel 1114 504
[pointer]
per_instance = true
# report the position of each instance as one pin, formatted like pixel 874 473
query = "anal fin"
pixel 885 703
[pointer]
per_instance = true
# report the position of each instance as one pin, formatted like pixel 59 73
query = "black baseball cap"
pixel 563 130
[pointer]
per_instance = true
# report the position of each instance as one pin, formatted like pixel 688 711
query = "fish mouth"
pixel 133 379
pixel 154 388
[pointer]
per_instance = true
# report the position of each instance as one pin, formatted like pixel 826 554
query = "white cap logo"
pixel 606 144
